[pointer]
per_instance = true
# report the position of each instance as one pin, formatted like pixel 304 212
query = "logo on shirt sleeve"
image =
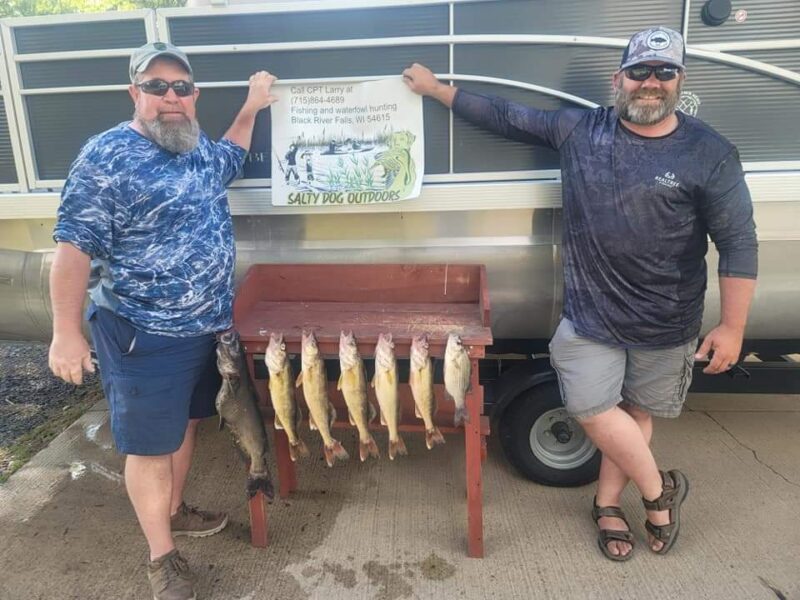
pixel 689 103
pixel 667 180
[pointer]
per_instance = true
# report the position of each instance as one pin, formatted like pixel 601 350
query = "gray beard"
pixel 648 114
pixel 178 137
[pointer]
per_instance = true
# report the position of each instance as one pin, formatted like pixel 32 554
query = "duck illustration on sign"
pixel 398 166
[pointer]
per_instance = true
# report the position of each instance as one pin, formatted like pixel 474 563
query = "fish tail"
pixel 333 452
pixel 397 447
pixel 461 416
pixel 433 437
pixel 329 457
pixel 368 448
pixel 260 482
pixel 298 449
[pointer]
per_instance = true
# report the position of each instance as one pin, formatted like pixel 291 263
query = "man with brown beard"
pixel 144 223
pixel 642 188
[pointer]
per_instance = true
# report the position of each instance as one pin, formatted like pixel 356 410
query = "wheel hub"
pixel 561 432
pixel 558 441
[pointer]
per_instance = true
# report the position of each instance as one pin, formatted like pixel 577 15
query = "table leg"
pixel 472 438
pixel 286 472
pixel 258 520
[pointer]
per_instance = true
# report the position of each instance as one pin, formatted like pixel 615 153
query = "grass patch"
pixel 27 445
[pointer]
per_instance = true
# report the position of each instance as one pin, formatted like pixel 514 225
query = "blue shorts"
pixel 153 383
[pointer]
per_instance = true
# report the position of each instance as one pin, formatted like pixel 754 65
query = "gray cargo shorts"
pixel 595 377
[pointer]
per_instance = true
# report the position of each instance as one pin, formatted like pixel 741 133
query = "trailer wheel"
pixel 544 443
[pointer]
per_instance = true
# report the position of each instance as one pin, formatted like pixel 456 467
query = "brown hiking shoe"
pixel 170 578
pixel 197 523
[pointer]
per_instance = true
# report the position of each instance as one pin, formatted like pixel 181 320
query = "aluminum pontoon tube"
pixel 25 295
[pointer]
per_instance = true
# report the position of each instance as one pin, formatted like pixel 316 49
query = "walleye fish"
pixel 237 406
pixel 353 385
pixel 321 413
pixel 385 384
pixel 420 378
pixel 288 415
pixel 457 369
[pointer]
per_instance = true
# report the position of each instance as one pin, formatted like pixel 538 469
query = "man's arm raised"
pixel 422 81
pixel 510 119
pixel 259 97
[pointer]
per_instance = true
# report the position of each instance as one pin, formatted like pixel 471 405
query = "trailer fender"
pixel 524 376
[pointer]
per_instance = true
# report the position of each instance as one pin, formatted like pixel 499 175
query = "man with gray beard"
pixel 642 188
pixel 145 225
pixel 180 137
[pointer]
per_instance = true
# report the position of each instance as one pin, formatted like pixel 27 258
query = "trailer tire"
pixel 528 433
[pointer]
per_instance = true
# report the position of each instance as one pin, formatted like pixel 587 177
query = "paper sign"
pixel 346 143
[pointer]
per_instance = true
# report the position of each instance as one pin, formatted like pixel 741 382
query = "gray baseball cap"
pixel 142 57
pixel 656 43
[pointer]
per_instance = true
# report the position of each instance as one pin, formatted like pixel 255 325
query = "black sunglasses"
pixel 159 87
pixel 643 72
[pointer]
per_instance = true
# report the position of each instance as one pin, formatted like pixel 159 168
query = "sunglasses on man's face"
pixel 643 72
pixel 159 87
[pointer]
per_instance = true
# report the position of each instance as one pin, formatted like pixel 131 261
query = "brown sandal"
pixel 604 536
pixel 675 488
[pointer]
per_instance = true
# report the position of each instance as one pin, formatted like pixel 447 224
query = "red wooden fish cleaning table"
pixel 368 299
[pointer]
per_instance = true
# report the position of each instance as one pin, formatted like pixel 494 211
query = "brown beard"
pixel 178 137
pixel 629 110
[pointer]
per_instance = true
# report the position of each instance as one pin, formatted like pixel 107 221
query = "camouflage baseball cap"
pixel 142 57
pixel 657 43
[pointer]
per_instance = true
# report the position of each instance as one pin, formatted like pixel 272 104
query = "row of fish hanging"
pixel 353 386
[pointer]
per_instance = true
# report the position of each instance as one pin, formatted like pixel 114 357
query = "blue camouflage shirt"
pixel 636 216
pixel 158 229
